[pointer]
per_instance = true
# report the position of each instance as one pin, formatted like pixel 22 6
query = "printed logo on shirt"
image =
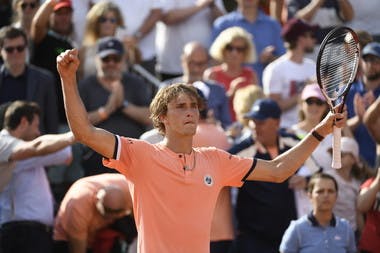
pixel 208 180
pixel 337 238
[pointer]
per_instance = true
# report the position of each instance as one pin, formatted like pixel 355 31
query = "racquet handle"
pixel 336 156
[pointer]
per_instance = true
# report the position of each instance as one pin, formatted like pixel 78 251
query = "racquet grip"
pixel 336 156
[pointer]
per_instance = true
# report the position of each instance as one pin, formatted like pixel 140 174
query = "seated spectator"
pixel 26 200
pixel 23 81
pixel 91 205
pixel 50 34
pixel 320 231
pixel 114 99
pixel 260 204
pixel 232 49
pixel 369 204
pixel 23 13
pixel 348 183
pixel 103 19
pixel 194 60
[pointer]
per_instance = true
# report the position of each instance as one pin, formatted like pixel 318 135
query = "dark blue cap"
pixel 372 48
pixel 263 109
pixel 108 46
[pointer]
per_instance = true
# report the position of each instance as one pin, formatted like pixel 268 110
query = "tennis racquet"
pixel 337 64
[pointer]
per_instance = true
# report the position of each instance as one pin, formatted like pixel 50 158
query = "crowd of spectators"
pixel 252 61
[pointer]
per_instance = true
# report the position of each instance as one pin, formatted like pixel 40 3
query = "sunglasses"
pixel 104 19
pixel 231 48
pixel 316 101
pixel 19 49
pixel 30 5
pixel 113 58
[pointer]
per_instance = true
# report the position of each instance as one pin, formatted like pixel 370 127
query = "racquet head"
pixel 337 64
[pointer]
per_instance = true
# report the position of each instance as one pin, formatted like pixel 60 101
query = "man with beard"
pixel 285 77
pixel 114 99
pixel 362 94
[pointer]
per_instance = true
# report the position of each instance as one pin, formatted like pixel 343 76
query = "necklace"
pixel 187 167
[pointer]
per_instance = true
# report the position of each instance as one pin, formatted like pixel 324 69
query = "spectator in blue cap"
pixel 260 205
pixel 363 93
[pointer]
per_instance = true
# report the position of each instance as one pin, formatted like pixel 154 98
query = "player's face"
pixel 324 195
pixel 182 116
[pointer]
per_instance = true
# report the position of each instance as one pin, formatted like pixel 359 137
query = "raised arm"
pixel 367 195
pixel 286 164
pixel 98 139
pixel 372 119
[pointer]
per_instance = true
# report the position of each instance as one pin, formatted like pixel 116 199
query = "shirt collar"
pixel 315 223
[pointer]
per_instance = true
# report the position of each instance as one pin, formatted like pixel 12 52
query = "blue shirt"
pixel 265 31
pixel 367 145
pixel 305 235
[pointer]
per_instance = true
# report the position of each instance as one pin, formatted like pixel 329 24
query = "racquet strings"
pixel 338 63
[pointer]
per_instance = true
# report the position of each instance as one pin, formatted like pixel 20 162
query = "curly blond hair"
pixel 226 37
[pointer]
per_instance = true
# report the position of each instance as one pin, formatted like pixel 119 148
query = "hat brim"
pixel 370 52
pixel 255 115
pixel 108 52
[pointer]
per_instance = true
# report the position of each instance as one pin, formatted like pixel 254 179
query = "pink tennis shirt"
pixel 173 207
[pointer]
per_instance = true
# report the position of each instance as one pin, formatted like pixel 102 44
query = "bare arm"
pixel 150 21
pixel 367 196
pixel 286 164
pixel 98 139
pixel 175 16
pixel 42 145
pixel 346 10
pixel 40 22
pixel 275 9
pixel 372 119
pixel 308 12
pixel 77 246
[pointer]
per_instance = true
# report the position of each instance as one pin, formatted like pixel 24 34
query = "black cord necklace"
pixel 187 167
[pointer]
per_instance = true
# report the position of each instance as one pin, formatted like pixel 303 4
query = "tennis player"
pixel 174 186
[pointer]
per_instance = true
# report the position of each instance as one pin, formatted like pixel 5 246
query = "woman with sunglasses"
pixel 232 49
pixel 23 13
pixel 104 19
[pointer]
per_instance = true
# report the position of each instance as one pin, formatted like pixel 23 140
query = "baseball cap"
pixel 294 28
pixel 63 4
pixel 108 46
pixel 312 90
pixel 372 48
pixel 263 109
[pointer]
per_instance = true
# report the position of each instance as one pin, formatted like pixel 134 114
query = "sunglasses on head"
pixel 19 49
pixel 316 101
pixel 234 48
pixel 30 5
pixel 113 58
pixel 104 19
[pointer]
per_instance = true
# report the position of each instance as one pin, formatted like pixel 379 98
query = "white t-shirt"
pixel 287 78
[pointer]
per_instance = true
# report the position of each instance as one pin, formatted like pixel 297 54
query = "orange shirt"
pixel 173 207
pixel 77 216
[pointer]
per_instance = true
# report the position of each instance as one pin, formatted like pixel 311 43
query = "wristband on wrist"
pixel 102 113
pixel 317 135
